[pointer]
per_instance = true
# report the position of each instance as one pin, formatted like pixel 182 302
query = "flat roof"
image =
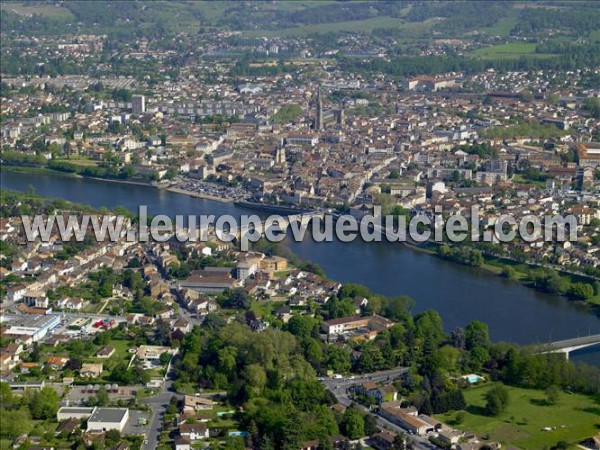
pixel 113 415
pixel 75 410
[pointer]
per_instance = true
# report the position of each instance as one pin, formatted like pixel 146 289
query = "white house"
pixel 193 431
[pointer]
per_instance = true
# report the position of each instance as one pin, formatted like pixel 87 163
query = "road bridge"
pixel 567 346
pixel 247 230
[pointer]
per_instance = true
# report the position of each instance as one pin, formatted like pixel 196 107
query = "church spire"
pixel 319 122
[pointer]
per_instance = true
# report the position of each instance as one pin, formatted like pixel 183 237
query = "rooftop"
pixel 114 415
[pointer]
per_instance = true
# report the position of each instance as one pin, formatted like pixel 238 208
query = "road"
pixel 158 405
pixel 339 387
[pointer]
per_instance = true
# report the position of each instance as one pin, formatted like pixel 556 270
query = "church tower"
pixel 319 121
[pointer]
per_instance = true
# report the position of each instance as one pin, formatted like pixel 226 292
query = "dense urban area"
pixel 335 107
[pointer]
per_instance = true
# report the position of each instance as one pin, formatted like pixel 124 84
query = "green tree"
pixel 496 400
pixel 581 291
pixel 493 404
pixel 477 335
pixel 43 404
pixel 552 394
pixel 353 424
pixel 256 379
pixel 337 359
pixel 102 396
pixel 301 326
pixel 238 298
pixel 509 272
pixel 14 423
pixel 371 427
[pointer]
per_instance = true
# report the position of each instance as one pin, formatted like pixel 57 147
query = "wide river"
pixel 513 312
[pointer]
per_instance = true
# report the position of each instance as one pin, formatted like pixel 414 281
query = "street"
pixel 158 405
pixel 339 386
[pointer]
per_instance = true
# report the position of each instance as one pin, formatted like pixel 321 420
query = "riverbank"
pixel 47 171
pixel 521 272
pixel 275 209
pixel 201 195
pixel 461 294
pixel 37 170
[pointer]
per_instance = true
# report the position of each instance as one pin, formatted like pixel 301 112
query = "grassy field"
pixel 574 418
pixel 84 162
pixel 502 27
pixel 41 8
pixel 506 51
pixel 366 25
pixel 265 309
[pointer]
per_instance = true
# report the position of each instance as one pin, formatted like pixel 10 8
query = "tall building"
pixel 341 116
pixel 319 121
pixel 280 155
pixel 138 104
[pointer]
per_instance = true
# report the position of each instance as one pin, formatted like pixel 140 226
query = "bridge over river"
pixel 567 346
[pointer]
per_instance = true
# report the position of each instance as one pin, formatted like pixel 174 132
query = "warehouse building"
pixel 104 419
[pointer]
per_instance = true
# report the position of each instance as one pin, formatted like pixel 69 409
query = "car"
pixel 146 441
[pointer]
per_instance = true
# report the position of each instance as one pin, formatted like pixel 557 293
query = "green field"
pixel 502 27
pixel 574 418
pixel 366 25
pixel 84 162
pixel 41 8
pixel 507 51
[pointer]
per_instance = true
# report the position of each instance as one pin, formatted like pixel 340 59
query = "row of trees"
pixel 461 254
pixel 409 66
pixel 17 412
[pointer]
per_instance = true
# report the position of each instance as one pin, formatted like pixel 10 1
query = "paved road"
pixel 339 387
pixel 384 375
pixel 158 404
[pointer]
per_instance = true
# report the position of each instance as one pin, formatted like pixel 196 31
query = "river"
pixel 513 312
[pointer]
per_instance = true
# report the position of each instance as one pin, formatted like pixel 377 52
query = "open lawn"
pixel 265 309
pixel 79 161
pixel 509 51
pixel 122 347
pixel 574 418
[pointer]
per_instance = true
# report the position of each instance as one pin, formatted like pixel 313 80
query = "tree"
pixel 301 326
pixel 493 405
pixel 337 359
pixel 592 105
pixel 496 400
pixel 399 442
pixel 429 324
pixel 552 394
pixel 14 423
pixel 353 424
pixel 112 437
pixel 102 396
pixel 370 425
pixel 165 358
pixel 476 335
pixel 43 404
pixel 7 399
pixel 238 298
pixel 256 379
pixel 509 272
pixel 581 291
